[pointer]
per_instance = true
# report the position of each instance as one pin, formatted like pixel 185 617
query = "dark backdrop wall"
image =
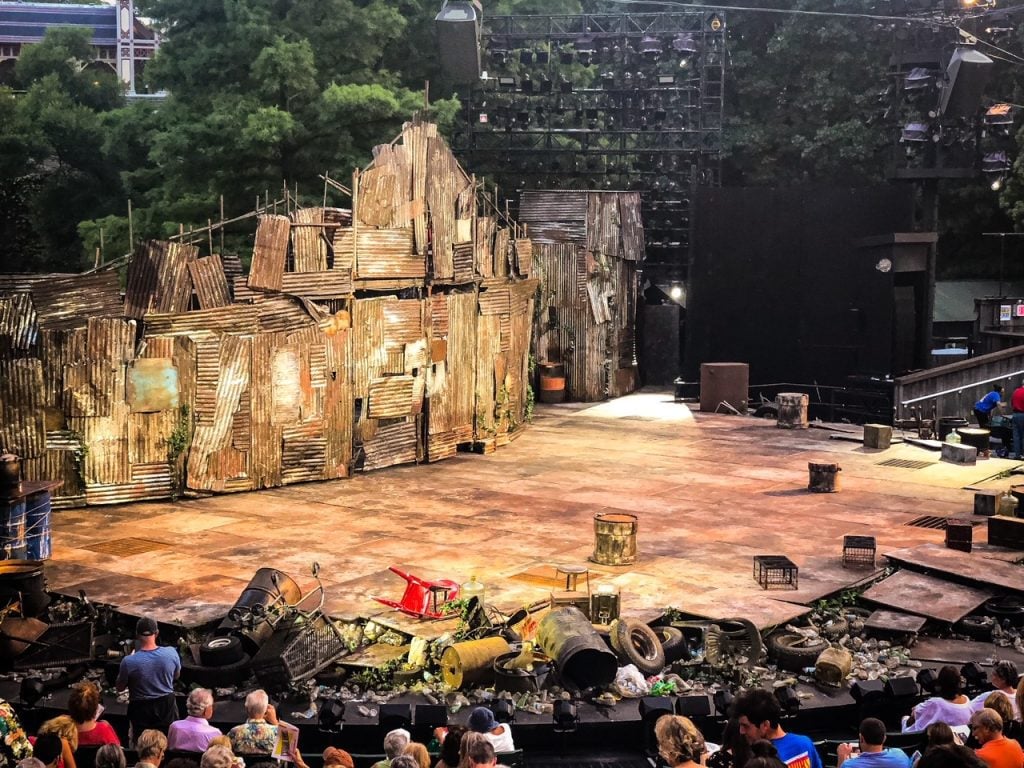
pixel 778 281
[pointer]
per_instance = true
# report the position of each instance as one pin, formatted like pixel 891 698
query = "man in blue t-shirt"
pixel 873 753
pixel 984 408
pixel 149 675
pixel 758 714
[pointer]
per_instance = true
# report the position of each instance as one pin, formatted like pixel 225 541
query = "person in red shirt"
pixel 996 750
pixel 1017 406
pixel 84 708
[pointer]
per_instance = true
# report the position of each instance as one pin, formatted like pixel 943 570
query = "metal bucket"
pixel 947 424
pixel 792 410
pixel 472 662
pixel 552 387
pixel 37 526
pixel 258 594
pixel 12 529
pixel 832 666
pixel 979 438
pixel 614 538
pixel 581 656
pixel 521 680
pixel 23 580
pixel 823 478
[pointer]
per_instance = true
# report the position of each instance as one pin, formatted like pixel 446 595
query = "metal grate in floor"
pixel 127 546
pixel 905 463
pixel 935 522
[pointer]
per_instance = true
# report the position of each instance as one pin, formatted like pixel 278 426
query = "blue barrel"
pixel 37 526
pixel 12 529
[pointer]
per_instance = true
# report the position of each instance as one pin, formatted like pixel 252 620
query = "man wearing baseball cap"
pixel 148 674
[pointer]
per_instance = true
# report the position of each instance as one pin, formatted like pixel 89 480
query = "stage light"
pixel 974 676
pixel 507 83
pixel 902 687
pixel 608 79
pixel 650 47
pixel 927 678
pixel 723 699
pixel 565 86
pixel 523 117
pixel 504 710
pixel 997 184
pixel 917 79
pixel 866 692
pixel 995 162
pixel 652 709
pixel 331 715
pixel 565 717
pixel 544 84
pixel 31 691
pixel 526 84
pixel 526 57
pixel 666 79
pixel 676 292
pixel 788 699
pixel 426 718
pixel 693 706
pixel 543 57
pixel 566 57
pixel 585 49
pixel 915 133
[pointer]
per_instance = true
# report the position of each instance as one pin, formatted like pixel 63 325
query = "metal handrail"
pixel 959 390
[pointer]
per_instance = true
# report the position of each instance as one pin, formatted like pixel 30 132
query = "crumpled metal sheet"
pixel 309 245
pixel 64 302
pixel 269 252
pixel 22 424
pixel 384 253
pixel 569 206
pixel 391 397
pixel 19 324
pixel 159 279
pixel 210 282
pixel 391 445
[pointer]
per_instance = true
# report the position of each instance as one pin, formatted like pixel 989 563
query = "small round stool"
pixel 572 574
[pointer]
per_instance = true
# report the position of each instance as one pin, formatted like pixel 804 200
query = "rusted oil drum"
pixel 823 478
pixel 472 662
pixel 792 407
pixel 614 538
pixel 581 656
pixel 832 666
pixel 254 599
pixel 552 386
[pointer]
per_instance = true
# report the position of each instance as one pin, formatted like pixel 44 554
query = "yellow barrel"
pixel 832 666
pixel 472 661
pixel 614 538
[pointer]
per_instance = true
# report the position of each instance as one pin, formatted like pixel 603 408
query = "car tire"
pixel 223 676
pixel 672 643
pixel 637 644
pixel 221 651
pixel 792 652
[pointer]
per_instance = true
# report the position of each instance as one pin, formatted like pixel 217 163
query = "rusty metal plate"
pixel 978 568
pixel 127 546
pixel 893 621
pixel 959 651
pixel 152 385
pixel 391 397
pixel 927 596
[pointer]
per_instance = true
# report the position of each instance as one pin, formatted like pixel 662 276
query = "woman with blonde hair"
pixel 679 741
pixel 84 709
pixel 66 728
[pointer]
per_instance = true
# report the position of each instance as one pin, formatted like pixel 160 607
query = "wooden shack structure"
pixel 588 253
pixel 393 333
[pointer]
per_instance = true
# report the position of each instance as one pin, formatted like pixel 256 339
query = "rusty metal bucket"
pixel 614 538
pixel 472 662
pixel 832 666
pixel 823 478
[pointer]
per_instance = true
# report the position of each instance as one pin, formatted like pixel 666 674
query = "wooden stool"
pixel 572 574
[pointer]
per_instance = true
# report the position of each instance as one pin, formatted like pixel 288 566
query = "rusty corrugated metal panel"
pixel 558 232
pixel 611 235
pixel 155 475
pixel 206 377
pixel 22 423
pixel 303 453
pixel 241 423
pixel 158 346
pixel 415 137
pixel 331 284
pixel 241 291
pixel 210 282
pixel 442 446
pixel 63 302
pixel 383 253
pixel 234 318
pixel 452 405
pixel 280 314
pixel 158 278
pixel 376 201
pixel 444 184
pixel 19 324
pixel 341 217
pixel 524 256
pixel 269 252
pixel 232 266
pixel 57 464
pixel 598 291
pixel 338 411
pixel 309 246
pixel 594 222
pixel 484 253
pixel 343 246
pixel 488 349
pixel 391 445
pixel 106 462
pixel 502 252
pixel 439 315
pixel 403 321
pixel 147 437
pixel 285 381
pixel 552 206
pixel 495 301
pixel 562 270
pixel 462 260
pixel 391 397
pixel 215 435
pixel 368 351
pixel 265 456
pixel 632 226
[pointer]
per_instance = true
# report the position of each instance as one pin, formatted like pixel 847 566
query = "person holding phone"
pixel 870 751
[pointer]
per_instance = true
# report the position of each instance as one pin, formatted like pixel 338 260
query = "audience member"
pixel 759 713
pixel 182 762
pixel 481 720
pixel 996 750
pixel 450 740
pixel 337 757
pixel 1011 726
pixel 873 753
pixel 84 709
pixel 224 741
pixel 193 734
pixel 31 762
pixel 258 734
pixel 151 746
pixel 763 754
pixel 14 745
pixel 470 743
pixel 948 706
pixel 936 735
pixel 735 749
pixel 148 675
pixel 395 743
pixel 404 761
pixel 480 754
pixel 110 756
pixel 679 741
pixel 1004 677
pixel 951 756
pixel 64 728
pixel 418 752
pixel 217 756
pixel 49 748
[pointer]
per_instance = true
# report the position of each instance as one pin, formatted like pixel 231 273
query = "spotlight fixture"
pixel 902 687
pixel 565 717
pixel 676 292
pixel 544 84
pixel 585 49
pixel 507 83
pixel 32 690
pixel 723 699
pixel 915 133
pixel 917 79
pixel 788 699
pixel 650 47
pixel 565 86
pixel 504 710
pixel 543 57
pixel 427 717
pixel 526 84
pixel 999 119
pixel 608 79
pixel 997 184
pixel 998 163
pixel 566 58
pixel 526 57
pixel 927 679
pixel 693 706
pixel 866 692
pixel 331 716
pixel 974 676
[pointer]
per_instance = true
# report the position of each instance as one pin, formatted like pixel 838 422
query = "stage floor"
pixel 710 492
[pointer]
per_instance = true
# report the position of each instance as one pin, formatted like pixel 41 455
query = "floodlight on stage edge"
pixel 504 710
pixel 723 700
pixel 31 691
pixel 927 678
pixel 332 715
pixel 565 716
pixel 974 676
pixel 788 699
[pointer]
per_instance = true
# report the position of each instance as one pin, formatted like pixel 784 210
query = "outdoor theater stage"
pixel 710 492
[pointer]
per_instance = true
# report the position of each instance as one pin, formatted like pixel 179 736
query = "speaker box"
pixel 966 77
pixel 899 687
pixel 651 705
pixel 394 715
pixel 693 706
pixel 458 36
pixel 867 690
pixel 434 715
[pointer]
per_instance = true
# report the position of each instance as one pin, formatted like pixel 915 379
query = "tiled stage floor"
pixel 710 491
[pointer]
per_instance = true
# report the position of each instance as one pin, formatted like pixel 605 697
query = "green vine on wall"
pixel 178 440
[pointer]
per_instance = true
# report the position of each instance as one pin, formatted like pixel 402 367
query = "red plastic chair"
pixel 421 596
